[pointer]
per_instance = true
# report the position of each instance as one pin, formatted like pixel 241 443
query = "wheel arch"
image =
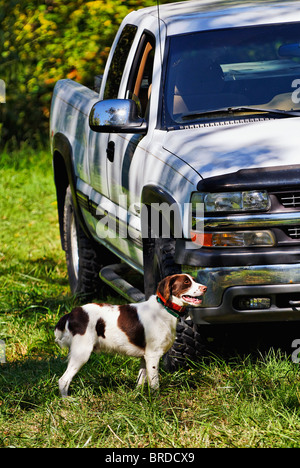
pixel 153 197
pixel 64 176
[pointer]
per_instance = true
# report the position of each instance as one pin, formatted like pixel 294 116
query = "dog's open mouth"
pixel 192 300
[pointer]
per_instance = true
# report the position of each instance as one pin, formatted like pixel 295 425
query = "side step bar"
pixel 113 276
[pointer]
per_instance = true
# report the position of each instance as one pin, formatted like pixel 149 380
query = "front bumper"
pixel 227 285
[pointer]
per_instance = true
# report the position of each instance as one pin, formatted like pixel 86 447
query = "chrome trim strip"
pixel 250 220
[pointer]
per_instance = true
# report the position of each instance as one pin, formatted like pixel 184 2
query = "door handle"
pixel 110 151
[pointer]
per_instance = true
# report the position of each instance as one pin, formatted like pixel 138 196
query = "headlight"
pixel 229 202
pixel 233 201
pixel 234 239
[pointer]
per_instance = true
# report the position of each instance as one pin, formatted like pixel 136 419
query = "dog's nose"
pixel 203 289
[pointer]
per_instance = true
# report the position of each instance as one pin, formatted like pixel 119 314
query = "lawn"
pixel 240 401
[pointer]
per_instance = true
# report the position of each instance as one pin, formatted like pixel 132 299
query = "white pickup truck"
pixel 188 159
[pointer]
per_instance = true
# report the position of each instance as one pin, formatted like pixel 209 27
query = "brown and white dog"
pixel 146 330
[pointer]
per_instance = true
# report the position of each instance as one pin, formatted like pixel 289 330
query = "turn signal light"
pixel 234 239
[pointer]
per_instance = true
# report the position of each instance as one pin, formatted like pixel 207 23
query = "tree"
pixel 47 40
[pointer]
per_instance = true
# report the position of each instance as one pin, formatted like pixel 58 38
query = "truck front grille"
pixel 289 200
pixel 294 232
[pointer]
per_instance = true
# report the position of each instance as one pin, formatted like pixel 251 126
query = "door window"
pixel 118 62
pixel 140 80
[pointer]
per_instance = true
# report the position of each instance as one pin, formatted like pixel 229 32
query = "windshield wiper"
pixel 234 110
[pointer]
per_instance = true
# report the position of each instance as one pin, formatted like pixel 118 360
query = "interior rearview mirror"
pixel 289 50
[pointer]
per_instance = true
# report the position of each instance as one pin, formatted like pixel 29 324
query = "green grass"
pixel 238 402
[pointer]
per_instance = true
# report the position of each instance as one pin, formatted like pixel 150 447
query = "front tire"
pixel 159 264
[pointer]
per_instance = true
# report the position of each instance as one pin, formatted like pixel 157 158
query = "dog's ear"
pixel 164 288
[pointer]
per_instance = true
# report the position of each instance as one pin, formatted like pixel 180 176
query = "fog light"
pixel 254 303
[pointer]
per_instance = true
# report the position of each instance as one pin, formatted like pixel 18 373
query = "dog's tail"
pixel 61 332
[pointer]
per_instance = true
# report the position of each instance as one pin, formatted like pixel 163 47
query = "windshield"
pixel 254 66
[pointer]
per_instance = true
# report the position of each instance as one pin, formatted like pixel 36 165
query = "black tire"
pixel 187 345
pixel 84 257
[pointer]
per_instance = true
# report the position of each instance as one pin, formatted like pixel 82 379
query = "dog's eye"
pixel 187 281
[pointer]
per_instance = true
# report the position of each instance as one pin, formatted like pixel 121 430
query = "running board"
pixel 113 276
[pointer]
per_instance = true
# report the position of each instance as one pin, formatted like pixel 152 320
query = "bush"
pixel 44 41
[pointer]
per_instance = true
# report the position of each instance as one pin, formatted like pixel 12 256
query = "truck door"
pixel 98 142
pixel 122 148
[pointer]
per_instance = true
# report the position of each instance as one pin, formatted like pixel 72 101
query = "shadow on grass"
pixel 105 372
pixel 256 339
pixel 29 383
pixel 32 382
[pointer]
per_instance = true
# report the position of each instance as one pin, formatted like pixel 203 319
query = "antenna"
pixel 159 31
pixel 161 57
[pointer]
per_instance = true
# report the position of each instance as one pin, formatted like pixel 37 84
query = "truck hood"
pixel 219 150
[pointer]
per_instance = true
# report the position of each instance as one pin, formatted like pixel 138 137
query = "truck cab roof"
pixel 191 16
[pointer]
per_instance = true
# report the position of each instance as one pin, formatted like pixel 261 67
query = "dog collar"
pixel 170 306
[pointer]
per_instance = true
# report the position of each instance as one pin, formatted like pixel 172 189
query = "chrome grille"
pixel 294 232
pixel 289 200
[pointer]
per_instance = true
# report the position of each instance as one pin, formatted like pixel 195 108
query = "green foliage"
pixel 47 40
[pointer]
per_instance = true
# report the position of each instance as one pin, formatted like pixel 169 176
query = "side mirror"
pixel 116 116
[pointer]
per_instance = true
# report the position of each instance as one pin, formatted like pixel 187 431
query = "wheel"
pixel 83 256
pixel 187 345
